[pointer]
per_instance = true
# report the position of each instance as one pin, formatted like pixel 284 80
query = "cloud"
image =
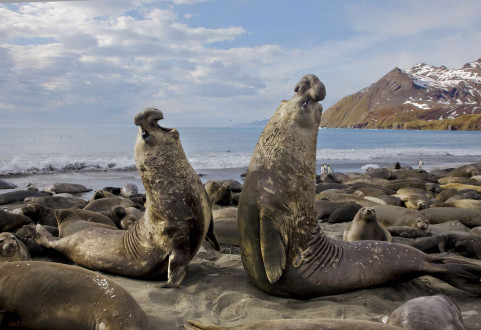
pixel 108 60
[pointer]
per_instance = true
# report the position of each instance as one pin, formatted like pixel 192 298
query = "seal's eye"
pixel 12 237
pixel 145 135
pixel 1 241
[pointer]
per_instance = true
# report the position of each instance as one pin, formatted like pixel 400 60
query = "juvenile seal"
pixel 48 295
pixel 364 227
pixel 72 188
pixel 390 215
pixel 129 190
pixel 178 217
pixel 9 221
pixel 468 246
pixel 11 249
pixel 434 312
pixel 283 249
pixel 69 222
pixel 468 217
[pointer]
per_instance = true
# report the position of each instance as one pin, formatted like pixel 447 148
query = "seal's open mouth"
pixel 165 129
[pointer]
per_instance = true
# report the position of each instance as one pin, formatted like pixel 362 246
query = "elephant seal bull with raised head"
pixel 177 219
pixel 283 249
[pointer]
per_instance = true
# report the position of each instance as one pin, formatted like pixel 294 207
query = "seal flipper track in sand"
pixel 272 248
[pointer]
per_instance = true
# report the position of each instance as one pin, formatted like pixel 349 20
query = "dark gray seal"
pixel 11 249
pixel 19 196
pixel 7 185
pixel 178 216
pixel 434 312
pixel 48 295
pixel 283 249
pixel 467 245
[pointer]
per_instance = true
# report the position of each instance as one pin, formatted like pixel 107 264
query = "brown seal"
pixel 283 249
pixel 434 312
pixel 390 215
pixel 177 219
pixel 365 227
pixel 11 249
pixel 48 295
pixel 9 221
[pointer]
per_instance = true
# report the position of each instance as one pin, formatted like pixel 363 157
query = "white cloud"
pixel 113 59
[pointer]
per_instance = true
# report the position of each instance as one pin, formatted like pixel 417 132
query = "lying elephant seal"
pixel 176 221
pixel 11 249
pixel 46 216
pixel 468 246
pixel 48 295
pixel 129 190
pixel 297 324
pixel 69 222
pixel 434 312
pixel 283 249
pixel 468 217
pixel 390 215
pixel 19 196
pixel 72 188
pixel 7 185
pixel 365 227
pixel 10 221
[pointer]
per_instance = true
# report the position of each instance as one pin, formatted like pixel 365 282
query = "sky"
pixel 211 62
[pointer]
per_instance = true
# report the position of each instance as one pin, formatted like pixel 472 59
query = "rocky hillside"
pixel 422 97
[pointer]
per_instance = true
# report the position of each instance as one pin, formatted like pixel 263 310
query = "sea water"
pixel 99 153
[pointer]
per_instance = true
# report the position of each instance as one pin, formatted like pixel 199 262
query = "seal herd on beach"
pixel 393 225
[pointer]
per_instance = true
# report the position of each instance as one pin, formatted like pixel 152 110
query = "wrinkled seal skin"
pixel 283 249
pixel 47 295
pixel 177 217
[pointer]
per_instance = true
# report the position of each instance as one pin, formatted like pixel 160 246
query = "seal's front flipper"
pixel 42 236
pixel 211 238
pixel 178 261
pixel 272 249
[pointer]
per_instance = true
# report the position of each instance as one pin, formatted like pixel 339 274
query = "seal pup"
pixel 283 249
pixel 434 312
pixel 177 219
pixel 49 295
pixel 11 249
pixel 364 227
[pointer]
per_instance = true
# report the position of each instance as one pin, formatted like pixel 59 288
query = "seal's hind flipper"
pixel 272 249
pixel 210 237
pixel 43 236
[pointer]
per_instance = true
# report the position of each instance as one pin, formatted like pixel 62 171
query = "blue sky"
pixel 211 62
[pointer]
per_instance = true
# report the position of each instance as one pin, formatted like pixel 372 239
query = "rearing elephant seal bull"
pixel 177 218
pixel 283 249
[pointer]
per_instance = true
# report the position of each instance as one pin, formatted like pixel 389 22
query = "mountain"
pixel 422 97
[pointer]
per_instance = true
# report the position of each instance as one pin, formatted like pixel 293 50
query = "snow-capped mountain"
pixel 414 98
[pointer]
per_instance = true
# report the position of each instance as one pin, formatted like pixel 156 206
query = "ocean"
pixel 99 157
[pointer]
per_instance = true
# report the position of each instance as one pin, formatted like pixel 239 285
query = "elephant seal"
pixel 11 249
pixel 107 203
pixel 408 232
pixel 468 246
pixel 461 186
pixel 476 231
pixel 71 188
pixel 468 217
pixel 365 227
pixel 46 216
pixel 129 190
pixel 26 235
pixel 10 221
pixel 19 196
pixel 284 250
pixel 7 185
pixel 178 217
pixel 432 312
pixel 297 324
pixel 226 229
pixel 69 222
pixel 56 202
pixel 344 213
pixel 64 296
pixel 219 192
pixel 390 215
